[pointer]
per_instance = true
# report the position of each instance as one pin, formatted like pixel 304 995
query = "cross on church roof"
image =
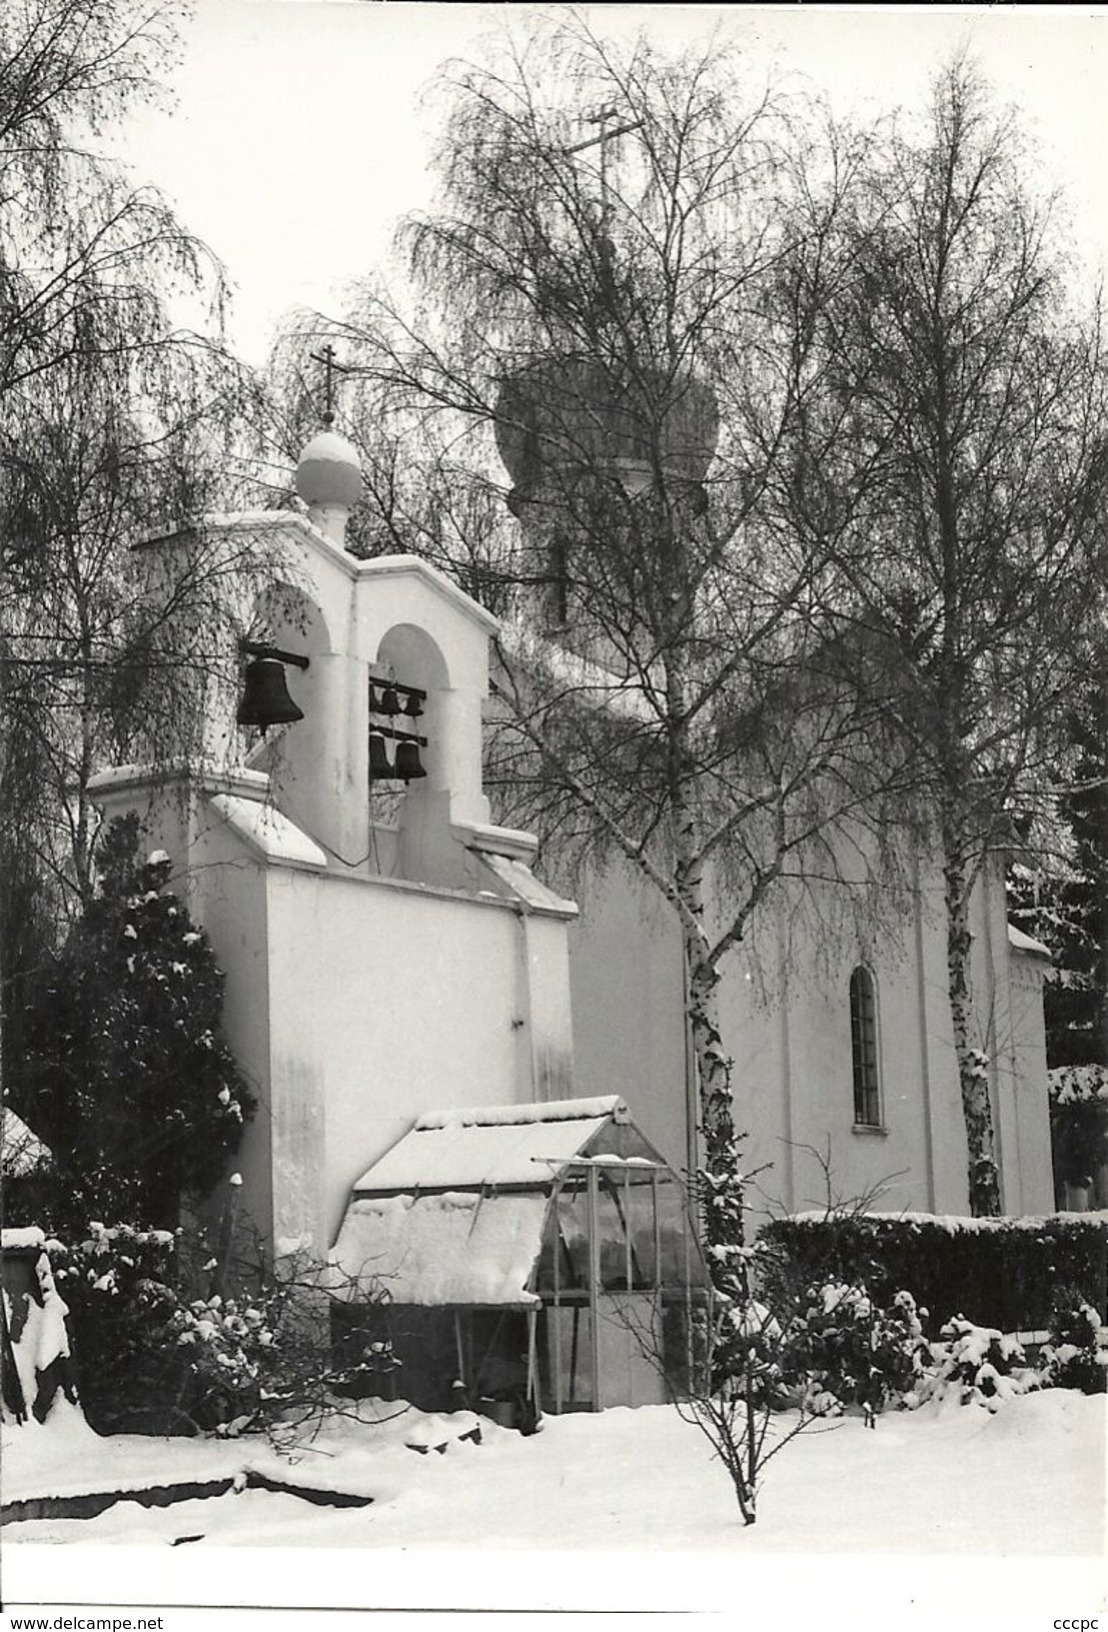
pixel 607 134
pixel 330 369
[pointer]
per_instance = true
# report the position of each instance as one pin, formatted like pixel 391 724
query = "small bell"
pixel 389 702
pixel 379 768
pixel 265 696
pixel 408 768
pixel 413 708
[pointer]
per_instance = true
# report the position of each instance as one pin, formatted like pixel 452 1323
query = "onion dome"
pixel 329 472
pixel 576 412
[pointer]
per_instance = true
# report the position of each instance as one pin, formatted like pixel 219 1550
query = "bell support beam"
pixel 251 648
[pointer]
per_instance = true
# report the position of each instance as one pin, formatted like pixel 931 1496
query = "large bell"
pixel 379 768
pixel 265 697
pixel 408 768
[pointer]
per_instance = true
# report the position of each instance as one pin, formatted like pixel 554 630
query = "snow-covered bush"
pixel 1077 1354
pixel 750 1337
pixel 159 1349
pixel 978 1366
pixel 843 1350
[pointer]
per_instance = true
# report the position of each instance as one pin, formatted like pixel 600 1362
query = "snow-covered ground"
pixel 625 1509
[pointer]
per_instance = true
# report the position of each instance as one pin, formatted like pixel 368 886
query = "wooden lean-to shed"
pixel 535 1258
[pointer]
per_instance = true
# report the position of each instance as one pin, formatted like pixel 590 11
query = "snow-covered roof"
pixel 1019 942
pixel 490 1146
pixel 454 1213
pixel 268 831
pixel 452 1247
pixel 524 886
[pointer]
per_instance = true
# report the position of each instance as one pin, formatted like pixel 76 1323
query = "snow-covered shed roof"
pixel 450 1247
pixel 491 1146
pixel 454 1213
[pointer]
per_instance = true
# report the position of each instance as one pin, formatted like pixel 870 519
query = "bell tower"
pixel 386 947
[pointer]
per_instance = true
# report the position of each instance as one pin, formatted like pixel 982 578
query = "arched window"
pixel 863 1043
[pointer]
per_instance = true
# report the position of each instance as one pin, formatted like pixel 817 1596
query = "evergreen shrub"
pixel 841 1349
pixel 978 1365
pixel 1002 1273
pixel 125 1074
pixel 166 1341
pixel 1076 1355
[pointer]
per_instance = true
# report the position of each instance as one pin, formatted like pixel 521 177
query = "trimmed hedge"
pixel 1005 1272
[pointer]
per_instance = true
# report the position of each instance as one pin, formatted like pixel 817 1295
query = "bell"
pixel 413 708
pixel 408 768
pixel 265 696
pixel 379 768
pixel 390 702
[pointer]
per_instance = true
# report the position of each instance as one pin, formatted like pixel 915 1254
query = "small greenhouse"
pixel 534 1258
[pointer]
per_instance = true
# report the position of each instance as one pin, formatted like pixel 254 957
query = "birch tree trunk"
pixel 720 1180
pixel 973 1078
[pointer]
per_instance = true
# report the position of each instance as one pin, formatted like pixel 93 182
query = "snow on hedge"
pixel 1074 1084
pixel 957 1225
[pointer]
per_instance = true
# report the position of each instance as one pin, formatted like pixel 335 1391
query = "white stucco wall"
pixel 1031 1108
pixel 785 1020
pixel 386 1001
pixel 354 1003
pixel 1007 991
pixel 627 982
pixel 226 893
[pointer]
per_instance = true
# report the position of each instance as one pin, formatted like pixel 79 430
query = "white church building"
pixel 391 956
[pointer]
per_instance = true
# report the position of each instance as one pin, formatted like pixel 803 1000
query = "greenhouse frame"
pixel 533 1258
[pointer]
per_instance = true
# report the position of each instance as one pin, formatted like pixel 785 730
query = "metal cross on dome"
pixel 605 137
pixel 330 369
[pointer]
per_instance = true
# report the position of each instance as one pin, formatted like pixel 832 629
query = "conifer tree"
pixel 125 1074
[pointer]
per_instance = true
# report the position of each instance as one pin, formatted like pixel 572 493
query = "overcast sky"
pixel 299 137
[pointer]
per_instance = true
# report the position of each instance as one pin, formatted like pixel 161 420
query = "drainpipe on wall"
pixel 523 1018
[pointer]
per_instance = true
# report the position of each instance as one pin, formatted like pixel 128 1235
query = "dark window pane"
pixel 863 1038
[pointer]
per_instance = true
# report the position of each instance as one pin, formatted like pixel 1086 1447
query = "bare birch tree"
pixel 605 318
pixel 113 419
pixel 964 505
